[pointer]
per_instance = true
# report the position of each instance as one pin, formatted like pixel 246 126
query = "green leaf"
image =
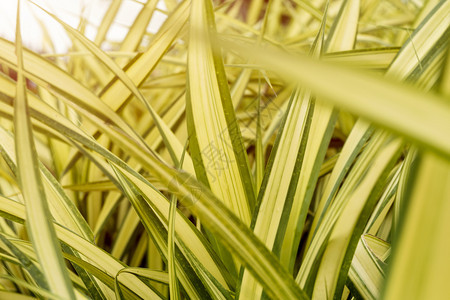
pixel 341 37
pixel 37 290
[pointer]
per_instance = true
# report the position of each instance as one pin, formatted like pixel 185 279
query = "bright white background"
pixel 69 11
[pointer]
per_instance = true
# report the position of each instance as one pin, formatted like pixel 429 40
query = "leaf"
pixel 159 276
pixel 384 205
pixel 355 198
pixel 173 280
pixel 26 263
pixel 355 141
pixel 17 296
pixel 171 142
pixel 368 264
pixel 372 59
pixel 99 258
pixel 107 20
pixel 216 144
pixel 420 262
pixel 424 117
pixel 350 224
pixel 187 232
pixel 39 291
pixel 236 237
pixel 275 189
pixel 61 207
pixel 138 29
pixel 39 225
pixel 341 37
pixel 157 230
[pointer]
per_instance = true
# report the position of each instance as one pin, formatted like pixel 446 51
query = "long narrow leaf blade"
pixel 39 223
pixel 220 164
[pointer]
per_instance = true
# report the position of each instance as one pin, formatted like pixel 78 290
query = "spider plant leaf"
pixel 188 232
pixel 159 204
pixel 172 143
pixel 337 256
pixel 404 187
pixel 157 230
pixel 66 86
pixel 385 203
pixel 103 277
pixel 98 273
pixel 341 37
pixel 405 72
pixel 190 238
pixel 342 33
pixel 39 225
pixel 138 70
pixel 138 29
pixel 116 94
pixel 98 257
pixel 216 290
pixel 26 263
pixel 359 184
pixel 107 21
pixel 62 208
pixel 128 227
pixel 218 219
pixel 17 296
pixel 371 59
pixel 379 99
pixel 31 287
pixel 216 141
pixel 173 280
pixel 275 188
pixel 423 237
pixel 236 237
pixel 157 276
pixel 352 147
pixel 184 230
pixel 368 266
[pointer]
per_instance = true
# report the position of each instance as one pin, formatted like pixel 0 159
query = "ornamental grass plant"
pixel 247 149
